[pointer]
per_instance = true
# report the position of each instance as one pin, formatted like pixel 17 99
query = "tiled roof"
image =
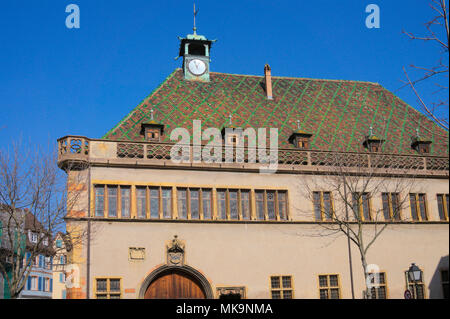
pixel 338 113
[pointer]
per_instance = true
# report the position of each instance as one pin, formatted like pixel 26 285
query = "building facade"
pixel 163 223
pixel 59 265
pixel 39 283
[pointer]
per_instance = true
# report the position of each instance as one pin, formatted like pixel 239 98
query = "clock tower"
pixel 195 49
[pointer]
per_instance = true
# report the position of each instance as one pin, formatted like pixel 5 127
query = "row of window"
pixel 192 203
pixel 281 286
pixel 156 202
pixel 36 283
pixel 39 261
pixel 392 209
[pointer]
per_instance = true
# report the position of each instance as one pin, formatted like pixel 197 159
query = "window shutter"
pixel 40 284
pixel 61 278
pixel 51 285
pixel 29 283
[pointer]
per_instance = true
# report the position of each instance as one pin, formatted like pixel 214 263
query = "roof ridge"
pixel 297 78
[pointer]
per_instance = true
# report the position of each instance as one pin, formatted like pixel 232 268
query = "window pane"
pixel 141 206
pixel 125 201
pixel 112 201
pixel 259 205
pixel 412 201
pixel 334 281
pixel 101 284
pixel 102 296
pixel 222 207
pixel 195 211
pixel 114 297
pixel 441 207
pixel 381 292
pixel 276 295
pixel 323 293
pixel 386 208
pixel 286 281
pixel 154 202
pixel 282 205
pixel 422 206
pixel 114 285
pixel 233 204
pixel 287 294
pixel 327 205
pixel 395 198
pixel 334 293
pixel 167 202
pixel 381 278
pixel 275 282
pixel 182 206
pixel 366 207
pixel 271 205
pixel 317 206
pixel 99 201
pixel 245 205
pixel 206 199
pixel 323 281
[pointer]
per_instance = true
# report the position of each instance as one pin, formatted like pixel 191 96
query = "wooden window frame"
pixel 417 206
pixel 322 206
pixel 276 204
pixel 281 289
pixel 422 283
pixel 380 285
pixel 118 200
pixel 391 207
pixel 328 287
pixel 361 205
pixel 445 203
pixel 108 291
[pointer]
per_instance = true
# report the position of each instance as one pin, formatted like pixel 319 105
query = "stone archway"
pixel 175 282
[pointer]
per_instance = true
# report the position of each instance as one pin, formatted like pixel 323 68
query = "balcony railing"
pixel 77 149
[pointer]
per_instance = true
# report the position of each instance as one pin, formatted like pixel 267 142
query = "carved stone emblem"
pixel 175 252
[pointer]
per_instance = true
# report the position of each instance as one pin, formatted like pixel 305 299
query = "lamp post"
pixel 415 276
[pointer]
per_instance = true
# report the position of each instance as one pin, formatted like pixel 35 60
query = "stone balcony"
pixel 75 152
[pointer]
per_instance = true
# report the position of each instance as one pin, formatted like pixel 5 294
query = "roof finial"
pixel 151 114
pixel 195 14
pixel 370 130
pixel 298 124
pixel 231 117
pixel 417 133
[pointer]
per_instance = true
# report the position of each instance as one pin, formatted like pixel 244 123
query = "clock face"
pixel 197 67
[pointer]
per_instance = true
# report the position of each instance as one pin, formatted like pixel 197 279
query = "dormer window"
pixel 420 144
pixel 232 139
pixel 302 143
pixel 373 143
pixel 152 135
pixel 152 130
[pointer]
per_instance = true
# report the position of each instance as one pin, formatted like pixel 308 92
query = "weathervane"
pixel 231 122
pixel 370 131
pixel 151 114
pixel 417 133
pixel 298 124
pixel 195 14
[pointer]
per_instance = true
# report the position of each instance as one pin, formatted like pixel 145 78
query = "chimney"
pixel 268 81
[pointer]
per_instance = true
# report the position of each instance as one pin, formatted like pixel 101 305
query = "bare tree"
pixel 34 199
pixel 342 202
pixel 438 34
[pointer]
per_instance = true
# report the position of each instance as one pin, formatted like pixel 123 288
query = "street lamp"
pixel 414 276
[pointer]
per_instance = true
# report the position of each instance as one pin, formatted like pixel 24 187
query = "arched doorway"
pixel 174 282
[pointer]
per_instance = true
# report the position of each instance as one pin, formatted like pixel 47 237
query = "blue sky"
pixel 56 81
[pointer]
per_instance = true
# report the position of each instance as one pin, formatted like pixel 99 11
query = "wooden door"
pixel 175 285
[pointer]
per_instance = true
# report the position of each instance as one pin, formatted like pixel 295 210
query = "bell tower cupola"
pixel 195 50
